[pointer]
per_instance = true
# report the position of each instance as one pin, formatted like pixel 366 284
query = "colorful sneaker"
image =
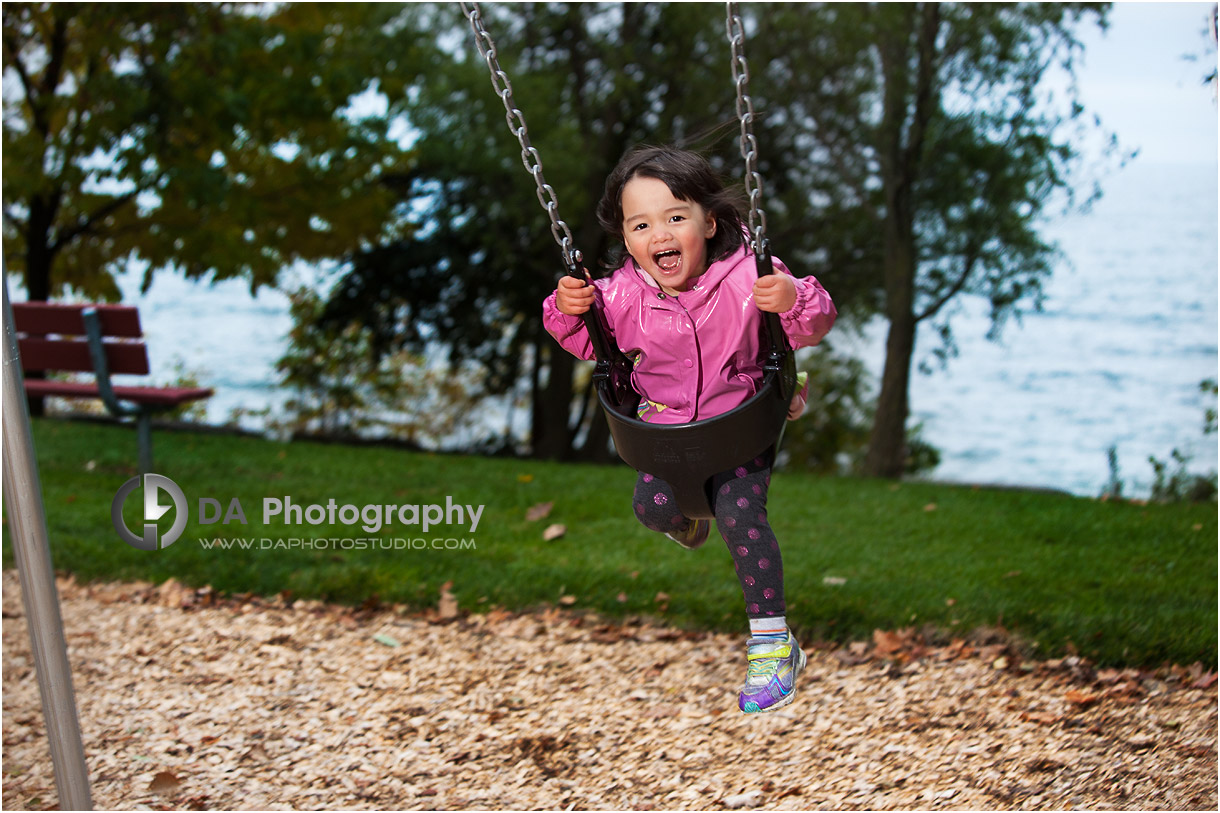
pixel 696 533
pixel 771 675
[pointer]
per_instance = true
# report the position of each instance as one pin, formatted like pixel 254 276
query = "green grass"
pixel 1119 583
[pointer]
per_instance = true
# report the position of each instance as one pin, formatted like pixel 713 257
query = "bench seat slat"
pixel 159 396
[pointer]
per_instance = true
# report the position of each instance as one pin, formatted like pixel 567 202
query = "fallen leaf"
pixel 539 511
pixel 748 799
pixel 1205 682
pixel 834 581
pixel 887 643
pixel 1142 741
pixel 622 598
pixel 164 783
pixel 388 640
pixel 553 532
pixel 930 507
pixel 447 607
pixel 1081 699
pixel 567 601
pixel 1043 717
pixel 525 478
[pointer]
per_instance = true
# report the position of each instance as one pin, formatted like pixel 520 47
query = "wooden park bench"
pixel 104 340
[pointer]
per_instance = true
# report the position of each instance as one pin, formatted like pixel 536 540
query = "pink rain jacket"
pixel 695 355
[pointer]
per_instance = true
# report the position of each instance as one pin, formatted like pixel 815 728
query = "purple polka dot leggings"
pixel 741 517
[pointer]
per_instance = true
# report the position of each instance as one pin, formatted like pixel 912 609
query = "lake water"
pixel 1115 359
pixel 1127 333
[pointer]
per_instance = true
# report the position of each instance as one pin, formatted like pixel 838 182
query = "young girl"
pixel 685 306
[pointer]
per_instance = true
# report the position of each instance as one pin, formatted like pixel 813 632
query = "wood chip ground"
pixel 188 701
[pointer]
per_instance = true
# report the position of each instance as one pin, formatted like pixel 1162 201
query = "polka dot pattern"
pixel 740 506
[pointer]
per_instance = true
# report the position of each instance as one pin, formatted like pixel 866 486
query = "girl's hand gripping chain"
pixel 775 293
pixel 573 296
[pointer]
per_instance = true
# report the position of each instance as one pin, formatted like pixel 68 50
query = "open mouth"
pixel 668 260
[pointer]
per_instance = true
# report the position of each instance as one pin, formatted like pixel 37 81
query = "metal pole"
pixel 27 521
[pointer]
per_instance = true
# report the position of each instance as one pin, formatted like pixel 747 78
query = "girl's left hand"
pixel 775 293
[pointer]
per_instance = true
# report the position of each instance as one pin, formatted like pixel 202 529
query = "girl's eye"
pixel 677 219
pixel 638 226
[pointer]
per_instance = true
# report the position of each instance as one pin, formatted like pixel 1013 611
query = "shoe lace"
pixel 762 666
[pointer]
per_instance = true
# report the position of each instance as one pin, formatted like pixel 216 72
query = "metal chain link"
pixel 516 125
pixel 745 112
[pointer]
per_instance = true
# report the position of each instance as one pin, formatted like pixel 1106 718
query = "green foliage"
pixel 1208 387
pixel 936 149
pixel 1172 479
pixel 1119 582
pixel 1114 486
pixel 215 138
pixel 933 115
pixel 1177 483
pixel 921 457
pixel 342 389
pixel 592 80
pixel 832 435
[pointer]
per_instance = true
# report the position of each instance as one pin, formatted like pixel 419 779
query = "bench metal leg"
pixel 144 435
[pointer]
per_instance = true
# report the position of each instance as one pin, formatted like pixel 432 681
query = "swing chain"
pixel 745 112
pixel 516 124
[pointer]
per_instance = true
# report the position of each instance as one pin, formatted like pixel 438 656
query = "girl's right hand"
pixel 573 296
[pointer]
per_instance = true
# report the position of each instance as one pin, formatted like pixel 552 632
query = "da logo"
pixel 154 484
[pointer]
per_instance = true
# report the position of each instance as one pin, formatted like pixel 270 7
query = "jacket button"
pixel 688 363
pixel 661 295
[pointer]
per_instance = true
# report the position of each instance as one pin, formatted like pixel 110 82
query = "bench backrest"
pixel 51 336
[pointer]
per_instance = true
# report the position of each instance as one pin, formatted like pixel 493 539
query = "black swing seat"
pixel 688 455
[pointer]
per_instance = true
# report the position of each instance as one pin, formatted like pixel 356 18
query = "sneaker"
pixel 696 533
pixel 771 675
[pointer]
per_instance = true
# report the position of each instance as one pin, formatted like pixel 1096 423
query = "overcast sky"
pixel 1134 76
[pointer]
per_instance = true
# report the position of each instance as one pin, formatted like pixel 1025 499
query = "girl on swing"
pixel 684 305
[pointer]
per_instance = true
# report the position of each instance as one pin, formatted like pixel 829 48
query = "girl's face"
pixel 666 237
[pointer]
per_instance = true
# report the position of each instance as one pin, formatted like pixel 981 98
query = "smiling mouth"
pixel 668 260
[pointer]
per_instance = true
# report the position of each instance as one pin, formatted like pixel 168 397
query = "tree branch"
pixel 953 290
pixel 14 61
pixel 86 224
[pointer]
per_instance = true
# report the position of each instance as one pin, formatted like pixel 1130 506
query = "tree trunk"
pixel 887 450
pixel 907 107
pixel 38 253
pixel 597 443
pixel 887 442
pixel 550 433
pixel 38 259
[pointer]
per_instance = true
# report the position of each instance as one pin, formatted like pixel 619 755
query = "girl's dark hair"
pixel 690 178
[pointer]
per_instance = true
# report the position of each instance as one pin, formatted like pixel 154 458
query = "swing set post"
pixel 28 524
